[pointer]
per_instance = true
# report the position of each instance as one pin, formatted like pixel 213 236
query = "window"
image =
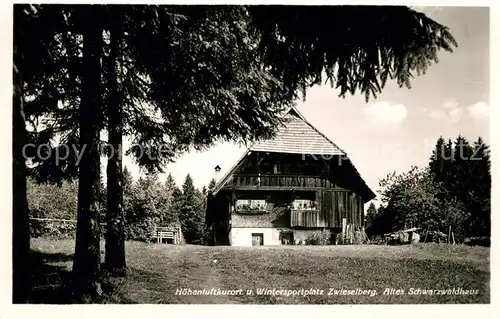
pixel 304 204
pixel 257 204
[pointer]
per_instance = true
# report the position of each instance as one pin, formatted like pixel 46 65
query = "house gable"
pixel 297 136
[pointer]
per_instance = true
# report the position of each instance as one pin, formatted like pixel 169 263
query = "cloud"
pixel 450 104
pixel 449 110
pixel 385 113
pixel 480 110
pixel 436 114
pixel 456 115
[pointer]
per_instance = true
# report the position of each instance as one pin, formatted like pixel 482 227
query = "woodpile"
pixel 352 236
pixel 403 237
pixel 415 238
pixel 407 236
pixel 435 236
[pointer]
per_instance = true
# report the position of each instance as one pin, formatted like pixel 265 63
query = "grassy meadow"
pixel 367 274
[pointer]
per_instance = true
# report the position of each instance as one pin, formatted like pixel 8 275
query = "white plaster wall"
pixel 243 236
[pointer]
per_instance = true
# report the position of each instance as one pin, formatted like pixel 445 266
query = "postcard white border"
pixel 8 310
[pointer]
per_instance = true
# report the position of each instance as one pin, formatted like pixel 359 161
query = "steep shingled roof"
pixel 298 136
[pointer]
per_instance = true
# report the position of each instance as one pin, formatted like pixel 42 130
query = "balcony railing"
pixel 307 218
pixel 288 181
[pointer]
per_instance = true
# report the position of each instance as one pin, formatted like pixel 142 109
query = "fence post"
pixel 344 228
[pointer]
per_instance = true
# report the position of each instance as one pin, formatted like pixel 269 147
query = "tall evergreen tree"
pixel 170 185
pixel 86 265
pixel 171 194
pixel 115 219
pixel 480 189
pixel 481 167
pixel 191 214
pixel 128 181
pixel 449 160
pixel 371 215
pixel 143 215
pixel 20 221
pixel 36 41
pixel 175 205
pixel 441 166
pixel 463 170
pixel 437 161
pixel 128 191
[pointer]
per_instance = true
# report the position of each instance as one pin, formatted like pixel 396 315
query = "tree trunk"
pixel 20 222
pixel 86 264
pixel 115 231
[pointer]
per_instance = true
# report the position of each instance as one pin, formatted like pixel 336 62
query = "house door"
pixel 257 239
pixel 286 238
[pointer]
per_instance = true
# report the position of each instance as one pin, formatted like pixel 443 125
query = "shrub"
pixel 141 231
pixel 378 240
pixel 52 229
pixel 208 236
pixel 478 241
pixel 321 237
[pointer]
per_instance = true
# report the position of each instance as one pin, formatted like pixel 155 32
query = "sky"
pixel 398 129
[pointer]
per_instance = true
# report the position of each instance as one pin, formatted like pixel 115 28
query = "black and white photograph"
pixel 250 154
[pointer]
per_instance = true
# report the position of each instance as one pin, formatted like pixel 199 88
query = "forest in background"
pixel 454 190
pixel 147 203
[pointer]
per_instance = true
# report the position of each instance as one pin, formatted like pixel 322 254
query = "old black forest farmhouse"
pixel 283 189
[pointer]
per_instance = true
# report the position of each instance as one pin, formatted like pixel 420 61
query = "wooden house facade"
pixel 283 189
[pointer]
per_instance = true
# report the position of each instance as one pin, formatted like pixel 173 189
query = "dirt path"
pixel 201 275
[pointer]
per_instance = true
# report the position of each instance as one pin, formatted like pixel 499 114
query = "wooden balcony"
pixel 307 218
pixel 278 182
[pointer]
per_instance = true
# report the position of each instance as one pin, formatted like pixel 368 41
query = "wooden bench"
pixel 168 234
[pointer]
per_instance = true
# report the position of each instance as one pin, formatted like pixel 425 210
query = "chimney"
pixel 217 173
